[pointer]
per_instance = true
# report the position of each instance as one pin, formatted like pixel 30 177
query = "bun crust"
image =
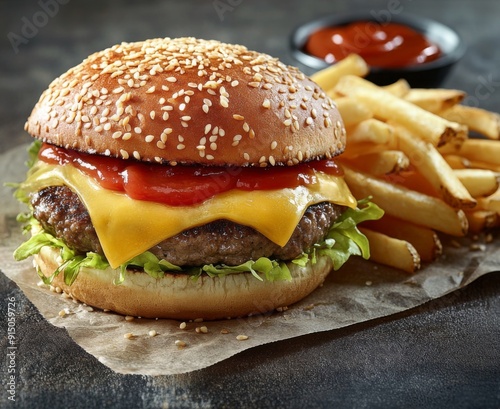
pixel 177 296
pixel 189 101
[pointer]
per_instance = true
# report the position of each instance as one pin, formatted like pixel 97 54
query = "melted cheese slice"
pixel 128 227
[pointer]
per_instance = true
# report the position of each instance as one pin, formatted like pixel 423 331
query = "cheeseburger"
pixel 185 178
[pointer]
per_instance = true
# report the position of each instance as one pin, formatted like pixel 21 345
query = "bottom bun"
pixel 178 296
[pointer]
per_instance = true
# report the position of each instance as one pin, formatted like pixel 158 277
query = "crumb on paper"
pixel 201 330
pixel 180 344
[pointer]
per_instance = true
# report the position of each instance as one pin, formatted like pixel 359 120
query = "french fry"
pixel 354 150
pixel 479 150
pixel 456 161
pixel 382 163
pixel 429 162
pixel 351 65
pixel 491 202
pixel 352 111
pixel 371 131
pixel 392 252
pixel 385 106
pixel 407 204
pixel 480 220
pixel 399 88
pixel 476 119
pixel 425 240
pixel 435 100
pixel 479 182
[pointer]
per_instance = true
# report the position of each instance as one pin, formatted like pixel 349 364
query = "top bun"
pixel 189 101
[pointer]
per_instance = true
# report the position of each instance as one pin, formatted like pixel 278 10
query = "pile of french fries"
pixel 431 163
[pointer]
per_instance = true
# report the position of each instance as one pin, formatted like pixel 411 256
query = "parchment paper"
pixel 360 291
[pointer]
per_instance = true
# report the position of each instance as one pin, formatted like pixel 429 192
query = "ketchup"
pixel 389 45
pixel 183 185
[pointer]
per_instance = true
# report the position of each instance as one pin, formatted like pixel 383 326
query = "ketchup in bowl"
pixel 388 45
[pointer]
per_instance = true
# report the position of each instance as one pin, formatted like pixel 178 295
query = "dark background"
pixel 443 354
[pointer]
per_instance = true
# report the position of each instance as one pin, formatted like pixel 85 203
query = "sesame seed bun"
pixel 178 296
pixel 189 101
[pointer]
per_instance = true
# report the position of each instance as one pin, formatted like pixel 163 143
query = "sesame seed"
pixel 242 337
pixel 266 103
pixel 149 138
pixel 205 108
pixel 128 335
pixel 171 79
pixel 180 344
pixel 180 146
pixel 201 330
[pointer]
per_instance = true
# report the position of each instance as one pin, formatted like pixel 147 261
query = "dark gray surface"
pixel 443 354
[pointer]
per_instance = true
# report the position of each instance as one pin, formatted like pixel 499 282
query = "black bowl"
pixel 427 75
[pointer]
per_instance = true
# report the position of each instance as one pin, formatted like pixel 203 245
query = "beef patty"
pixel 61 213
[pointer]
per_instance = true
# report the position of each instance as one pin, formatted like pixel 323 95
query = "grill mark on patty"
pixel 60 212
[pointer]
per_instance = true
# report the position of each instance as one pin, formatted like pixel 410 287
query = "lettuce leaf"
pixel 342 241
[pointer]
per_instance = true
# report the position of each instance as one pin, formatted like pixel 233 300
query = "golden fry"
pixel 382 163
pixel 392 252
pixel 480 220
pixel 476 119
pixel 407 204
pixel 429 162
pixel 479 182
pixel 435 100
pixel 456 161
pixel 351 65
pixel 425 240
pixel 478 150
pixel 352 111
pixel 371 131
pixel 399 88
pixel 385 106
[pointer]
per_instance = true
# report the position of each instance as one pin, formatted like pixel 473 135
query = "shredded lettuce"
pixel 342 241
